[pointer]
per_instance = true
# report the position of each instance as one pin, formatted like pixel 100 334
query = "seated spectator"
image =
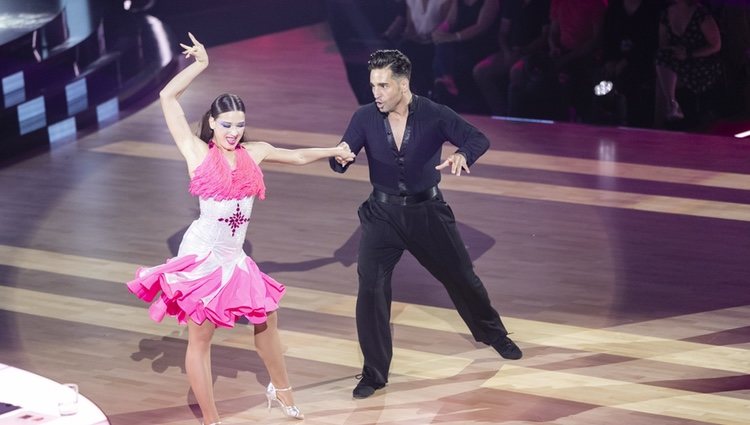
pixel 630 38
pixel 523 31
pixel 468 34
pixel 411 33
pixel 547 85
pixel 575 28
pixel 357 28
pixel 689 43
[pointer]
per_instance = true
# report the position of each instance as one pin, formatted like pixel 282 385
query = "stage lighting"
pixel 14 89
pixel 108 111
pixel 138 5
pixel 76 96
pixel 609 106
pixel 64 130
pixel 603 88
pixel 32 115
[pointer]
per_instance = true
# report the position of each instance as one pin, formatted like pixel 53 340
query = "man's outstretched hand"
pixel 457 163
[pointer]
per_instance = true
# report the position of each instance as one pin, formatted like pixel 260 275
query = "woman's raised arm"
pixel 189 145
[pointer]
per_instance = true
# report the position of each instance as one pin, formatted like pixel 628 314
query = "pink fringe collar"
pixel 215 179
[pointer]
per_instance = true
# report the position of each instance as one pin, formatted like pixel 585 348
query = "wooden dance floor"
pixel 619 259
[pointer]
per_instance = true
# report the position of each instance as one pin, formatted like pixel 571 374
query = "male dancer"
pixel 403 135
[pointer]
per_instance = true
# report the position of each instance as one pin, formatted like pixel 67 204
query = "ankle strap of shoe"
pixel 284 389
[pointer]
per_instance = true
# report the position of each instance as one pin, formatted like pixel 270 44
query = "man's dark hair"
pixel 398 62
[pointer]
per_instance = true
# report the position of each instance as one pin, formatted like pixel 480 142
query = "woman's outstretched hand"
pixel 197 50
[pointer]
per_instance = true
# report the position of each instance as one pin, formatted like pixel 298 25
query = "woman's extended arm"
pixel 188 144
pixel 262 151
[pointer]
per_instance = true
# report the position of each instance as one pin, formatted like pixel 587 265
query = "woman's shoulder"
pixel 257 149
pixel 256 145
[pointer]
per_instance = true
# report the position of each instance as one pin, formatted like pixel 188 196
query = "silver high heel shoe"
pixel 289 411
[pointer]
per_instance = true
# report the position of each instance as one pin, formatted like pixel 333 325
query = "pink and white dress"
pixel 212 278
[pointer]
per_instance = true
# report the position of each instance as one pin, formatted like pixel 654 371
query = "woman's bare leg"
pixel 268 344
pixel 667 81
pixel 198 366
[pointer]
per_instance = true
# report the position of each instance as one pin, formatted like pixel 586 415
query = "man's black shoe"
pixel 365 388
pixel 507 348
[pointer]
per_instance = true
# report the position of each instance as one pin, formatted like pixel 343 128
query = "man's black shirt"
pixel 412 169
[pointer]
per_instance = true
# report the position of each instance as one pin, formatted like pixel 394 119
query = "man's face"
pixel 386 89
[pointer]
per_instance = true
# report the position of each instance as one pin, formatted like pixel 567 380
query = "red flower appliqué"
pixel 235 220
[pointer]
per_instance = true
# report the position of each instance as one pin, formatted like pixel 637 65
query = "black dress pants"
pixel 428 230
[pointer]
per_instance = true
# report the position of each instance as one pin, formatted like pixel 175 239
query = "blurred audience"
pixel 357 27
pixel 629 43
pixel 543 58
pixel 575 27
pixel 411 32
pixel 557 83
pixel 524 27
pixel 733 19
pixel 468 34
pixel 689 43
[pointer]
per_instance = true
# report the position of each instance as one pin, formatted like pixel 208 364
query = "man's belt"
pixel 415 198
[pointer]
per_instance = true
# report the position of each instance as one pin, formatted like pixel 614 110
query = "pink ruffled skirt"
pixel 198 289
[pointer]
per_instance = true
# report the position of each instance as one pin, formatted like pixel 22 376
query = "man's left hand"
pixel 457 162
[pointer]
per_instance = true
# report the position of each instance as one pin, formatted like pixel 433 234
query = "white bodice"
pixel 216 238
pixel 220 229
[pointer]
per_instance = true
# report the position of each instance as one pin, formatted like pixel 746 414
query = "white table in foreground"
pixel 39 395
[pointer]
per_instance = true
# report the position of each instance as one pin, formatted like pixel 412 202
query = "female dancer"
pixel 212 281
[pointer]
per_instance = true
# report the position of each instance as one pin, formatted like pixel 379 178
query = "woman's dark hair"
pixel 226 102
pixel 398 62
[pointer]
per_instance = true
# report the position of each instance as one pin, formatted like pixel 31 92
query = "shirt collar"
pixel 413 104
